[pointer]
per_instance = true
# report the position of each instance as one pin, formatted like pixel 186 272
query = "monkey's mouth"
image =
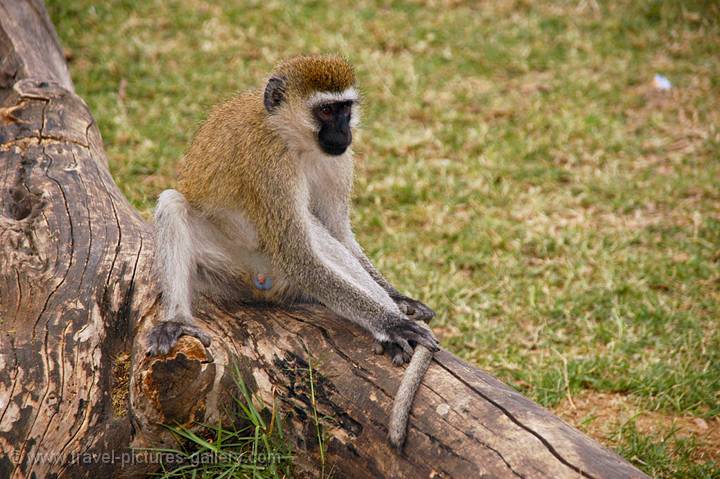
pixel 333 149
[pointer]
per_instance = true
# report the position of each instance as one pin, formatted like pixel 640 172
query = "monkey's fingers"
pixel 414 309
pixel 404 345
pixel 396 353
pixel 429 341
pixel 421 334
pixel 406 308
pixel 398 356
pixel 400 334
pixel 423 313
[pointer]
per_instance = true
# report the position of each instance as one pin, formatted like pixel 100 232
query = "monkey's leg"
pixel 175 263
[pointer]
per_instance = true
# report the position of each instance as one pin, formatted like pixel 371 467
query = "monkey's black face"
pixel 334 118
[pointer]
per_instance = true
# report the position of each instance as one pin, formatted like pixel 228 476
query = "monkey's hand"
pixel 413 308
pixel 403 334
pixel 164 336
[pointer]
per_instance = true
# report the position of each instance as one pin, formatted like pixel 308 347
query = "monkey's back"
pixel 228 154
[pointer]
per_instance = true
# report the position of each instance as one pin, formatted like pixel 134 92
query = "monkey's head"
pixel 312 102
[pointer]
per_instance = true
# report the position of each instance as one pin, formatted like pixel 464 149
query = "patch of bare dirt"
pixel 601 414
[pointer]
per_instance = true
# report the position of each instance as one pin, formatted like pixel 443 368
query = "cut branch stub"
pixel 173 387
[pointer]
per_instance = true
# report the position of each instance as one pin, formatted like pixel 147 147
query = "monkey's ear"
pixel 274 93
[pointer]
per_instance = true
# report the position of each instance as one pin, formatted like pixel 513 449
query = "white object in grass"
pixel 661 82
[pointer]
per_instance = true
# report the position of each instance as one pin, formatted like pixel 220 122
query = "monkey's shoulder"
pixel 243 113
pixel 230 152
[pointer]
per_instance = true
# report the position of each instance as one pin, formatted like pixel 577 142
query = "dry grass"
pixel 120 384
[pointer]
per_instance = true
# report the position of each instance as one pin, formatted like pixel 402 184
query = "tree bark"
pixel 77 297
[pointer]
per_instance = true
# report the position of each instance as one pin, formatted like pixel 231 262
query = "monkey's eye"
pixel 326 111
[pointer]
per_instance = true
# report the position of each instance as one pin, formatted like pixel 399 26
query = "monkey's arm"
pixel 325 270
pixel 334 214
pixel 409 306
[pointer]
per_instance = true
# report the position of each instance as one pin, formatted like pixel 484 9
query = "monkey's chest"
pixel 328 181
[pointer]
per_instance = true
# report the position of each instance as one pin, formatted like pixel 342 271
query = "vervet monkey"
pixel 261 213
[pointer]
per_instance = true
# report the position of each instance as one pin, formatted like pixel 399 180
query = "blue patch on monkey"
pixel 262 282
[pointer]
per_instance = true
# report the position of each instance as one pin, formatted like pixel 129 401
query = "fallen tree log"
pixel 77 296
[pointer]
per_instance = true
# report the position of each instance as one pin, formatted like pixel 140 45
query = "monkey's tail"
pixel 406 393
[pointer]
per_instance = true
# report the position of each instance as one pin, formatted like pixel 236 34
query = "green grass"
pixel 326 471
pixel 517 171
pixel 254 448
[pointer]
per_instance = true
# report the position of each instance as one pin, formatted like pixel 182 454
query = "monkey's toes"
pixel 163 337
pixel 196 332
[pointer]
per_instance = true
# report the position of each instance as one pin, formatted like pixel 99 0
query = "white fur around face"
pixel 349 94
pixel 355 118
pixel 320 97
pixel 295 123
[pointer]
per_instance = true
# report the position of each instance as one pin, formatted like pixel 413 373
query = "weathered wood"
pixel 77 296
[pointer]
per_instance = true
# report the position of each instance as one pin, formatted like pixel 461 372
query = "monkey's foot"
pixel 165 335
pixel 414 309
